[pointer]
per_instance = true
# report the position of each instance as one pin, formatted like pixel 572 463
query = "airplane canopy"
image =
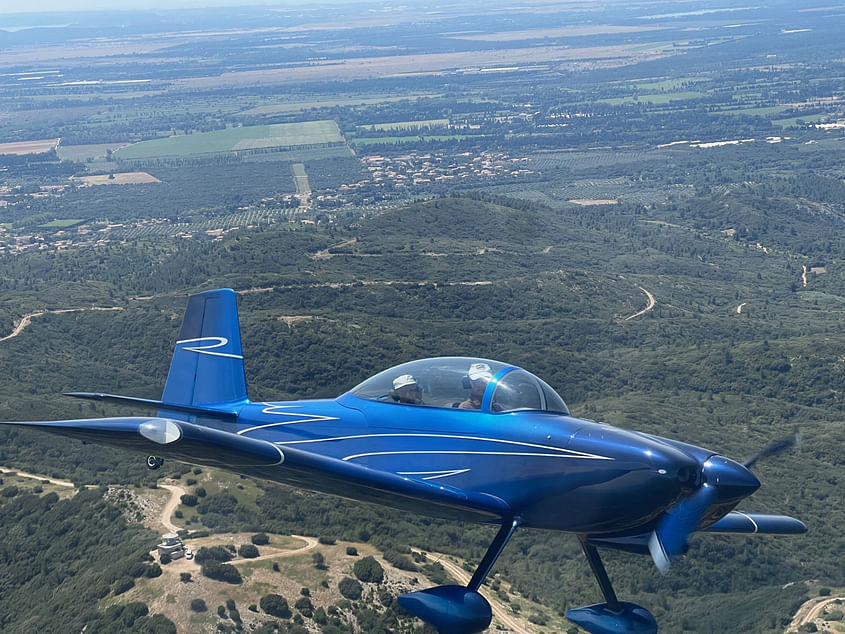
pixel 462 382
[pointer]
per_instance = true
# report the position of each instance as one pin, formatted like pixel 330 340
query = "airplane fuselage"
pixel 556 472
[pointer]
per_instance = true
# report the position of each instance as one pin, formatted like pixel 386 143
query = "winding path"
pixel 61 483
pixel 651 304
pixel 27 319
pixel 813 613
pixel 310 543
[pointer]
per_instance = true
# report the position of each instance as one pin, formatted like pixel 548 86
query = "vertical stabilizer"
pixel 208 365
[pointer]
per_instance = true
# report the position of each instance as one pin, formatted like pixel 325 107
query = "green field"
pixel 63 223
pixel 86 152
pixel 786 123
pixel 280 135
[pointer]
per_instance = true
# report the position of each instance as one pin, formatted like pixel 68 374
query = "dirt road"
pixel 61 483
pixel 27 319
pixel 176 492
pixel 810 611
pixel 310 543
pixel 651 304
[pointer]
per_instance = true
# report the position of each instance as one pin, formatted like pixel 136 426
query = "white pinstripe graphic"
pixel 280 410
pixel 750 519
pixel 208 348
pixel 559 451
pixel 433 475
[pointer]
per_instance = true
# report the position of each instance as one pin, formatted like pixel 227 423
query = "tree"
pixel 319 561
pixel 248 551
pixel 189 499
pixel 213 553
pixel 260 539
pixel 275 605
pixel 198 605
pixel 350 588
pixel 185 577
pixel 221 572
pixel 304 605
pixel 368 570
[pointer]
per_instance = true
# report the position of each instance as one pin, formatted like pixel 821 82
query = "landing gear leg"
pixel 154 462
pixel 456 609
pixel 612 616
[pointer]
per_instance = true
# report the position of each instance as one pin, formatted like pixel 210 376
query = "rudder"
pixel 207 368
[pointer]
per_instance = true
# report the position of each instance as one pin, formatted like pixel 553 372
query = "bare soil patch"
pixel 122 178
pixel 589 202
pixel 29 147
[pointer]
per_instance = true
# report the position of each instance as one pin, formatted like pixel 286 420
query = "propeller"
pixel 779 446
pixel 722 481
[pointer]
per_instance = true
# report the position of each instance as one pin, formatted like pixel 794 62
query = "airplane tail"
pixel 207 369
pixel 206 383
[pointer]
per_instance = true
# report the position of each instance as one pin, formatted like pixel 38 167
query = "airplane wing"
pixel 749 523
pixel 735 522
pixel 196 444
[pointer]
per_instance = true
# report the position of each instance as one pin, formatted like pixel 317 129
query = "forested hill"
pixel 743 346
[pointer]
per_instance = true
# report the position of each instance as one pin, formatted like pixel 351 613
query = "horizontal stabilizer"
pixel 223 414
pixel 167 438
pixel 737 522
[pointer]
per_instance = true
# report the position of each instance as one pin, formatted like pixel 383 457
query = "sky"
pixel 28 6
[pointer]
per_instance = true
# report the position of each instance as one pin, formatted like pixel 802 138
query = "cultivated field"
pixel 29 147
pixel 280 135
pixel 85 152
pixel 121 178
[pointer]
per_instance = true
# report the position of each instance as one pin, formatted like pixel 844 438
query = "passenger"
pixel 479 376
pixel 406 390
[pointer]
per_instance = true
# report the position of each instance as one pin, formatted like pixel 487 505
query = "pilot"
pixel 479 376
pixel 406 390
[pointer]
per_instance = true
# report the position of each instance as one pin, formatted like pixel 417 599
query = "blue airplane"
pixel 454 437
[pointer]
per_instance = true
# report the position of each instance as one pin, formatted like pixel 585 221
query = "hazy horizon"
pixel 73 6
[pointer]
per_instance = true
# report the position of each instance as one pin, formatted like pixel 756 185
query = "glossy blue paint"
pixel 480 441
pixel 622 618
pixel 451 609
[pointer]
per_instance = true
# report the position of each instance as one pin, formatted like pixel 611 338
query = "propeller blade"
pixel 779 446
pixel 670 537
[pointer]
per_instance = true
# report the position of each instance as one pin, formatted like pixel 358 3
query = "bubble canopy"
pixel 465 383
